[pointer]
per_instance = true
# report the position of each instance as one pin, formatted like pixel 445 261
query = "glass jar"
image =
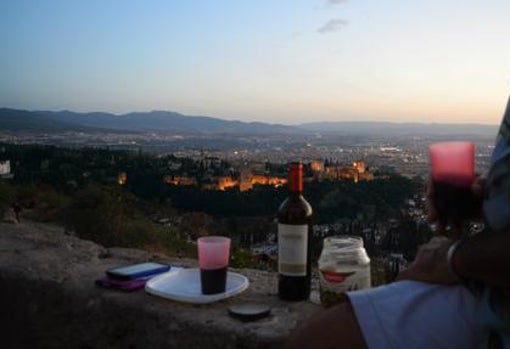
pixel 343 266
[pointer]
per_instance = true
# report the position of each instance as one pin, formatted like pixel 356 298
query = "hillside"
pixel 15 120
pixel 161 121
pixel 172 122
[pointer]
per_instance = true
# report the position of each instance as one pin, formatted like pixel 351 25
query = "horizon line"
pixel 256 121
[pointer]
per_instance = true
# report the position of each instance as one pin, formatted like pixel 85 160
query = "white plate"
pixel 184 285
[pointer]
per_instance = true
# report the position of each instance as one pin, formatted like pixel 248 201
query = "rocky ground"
pixel 48 299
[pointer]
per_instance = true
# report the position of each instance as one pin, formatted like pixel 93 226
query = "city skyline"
pixel 287 62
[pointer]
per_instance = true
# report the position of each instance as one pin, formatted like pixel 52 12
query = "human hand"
pixel 477 191
pixel 431 263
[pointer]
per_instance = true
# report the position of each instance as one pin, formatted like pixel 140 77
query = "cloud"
pixel 332 25
pixel 336 2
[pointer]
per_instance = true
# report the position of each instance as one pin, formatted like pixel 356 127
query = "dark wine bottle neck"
pixel 296 178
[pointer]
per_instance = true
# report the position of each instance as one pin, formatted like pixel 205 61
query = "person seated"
pixel 455 294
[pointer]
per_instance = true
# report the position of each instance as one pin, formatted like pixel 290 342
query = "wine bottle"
pixel 294 239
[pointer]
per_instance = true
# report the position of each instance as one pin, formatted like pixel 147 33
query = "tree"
pixel 195 224
pixel 101 214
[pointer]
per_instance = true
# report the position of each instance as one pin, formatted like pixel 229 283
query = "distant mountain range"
pixel 162 121
pixel 389 128
pixel 165 121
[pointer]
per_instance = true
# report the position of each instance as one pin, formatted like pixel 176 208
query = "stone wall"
pixel 48 300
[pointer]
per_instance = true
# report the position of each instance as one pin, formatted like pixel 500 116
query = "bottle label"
pixel 292 249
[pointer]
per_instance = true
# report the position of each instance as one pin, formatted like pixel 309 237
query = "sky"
pixel 279 61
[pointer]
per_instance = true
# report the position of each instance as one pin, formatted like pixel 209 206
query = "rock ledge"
pixel 48 299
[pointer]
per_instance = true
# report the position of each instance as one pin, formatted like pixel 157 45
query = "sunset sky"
pixel 284 61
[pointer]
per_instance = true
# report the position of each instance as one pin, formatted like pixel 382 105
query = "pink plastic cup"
pixel 453 172
pixel 453 162
pixel 213 257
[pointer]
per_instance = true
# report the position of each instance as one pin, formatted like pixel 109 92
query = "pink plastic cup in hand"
pixel 453 162
pixel 453 173
pixel 213 257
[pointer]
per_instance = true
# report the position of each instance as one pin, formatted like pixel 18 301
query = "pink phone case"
pixel 123 285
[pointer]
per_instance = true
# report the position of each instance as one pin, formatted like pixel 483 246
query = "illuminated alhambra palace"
pixel 252 176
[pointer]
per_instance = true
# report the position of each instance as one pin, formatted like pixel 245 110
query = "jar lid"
pixel 249 311
pixel 343 241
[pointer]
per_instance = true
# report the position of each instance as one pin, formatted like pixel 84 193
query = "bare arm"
pixel 336 327
pixel 484 257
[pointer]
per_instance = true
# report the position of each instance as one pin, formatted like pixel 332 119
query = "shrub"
pixel 6 197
